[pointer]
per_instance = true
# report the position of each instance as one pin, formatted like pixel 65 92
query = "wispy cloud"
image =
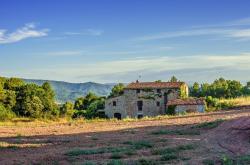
pixel 27 31
pixel 63 53
pixel 87 32
pixel 244 33
pixel 149 67
pixel 235 29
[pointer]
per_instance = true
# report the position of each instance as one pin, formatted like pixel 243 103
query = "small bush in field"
pixel 209 125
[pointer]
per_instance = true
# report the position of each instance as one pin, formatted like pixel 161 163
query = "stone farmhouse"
pixel 141 99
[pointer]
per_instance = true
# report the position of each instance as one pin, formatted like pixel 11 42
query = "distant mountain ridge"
pixel 66 91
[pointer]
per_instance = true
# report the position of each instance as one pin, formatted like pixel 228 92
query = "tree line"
pixel 220 88
pixel 19 99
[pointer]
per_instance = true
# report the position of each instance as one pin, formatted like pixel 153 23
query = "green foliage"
pixel 117 90
pixel 195 90
pixel 220 88
pixel 27 100
pixel 171 110
pixel 116 156
pixel 67 110
pixel 173 79
pixel 169 156
pixel 115 162
pixel 77 152
pixel 88 106
pixel 209 125
pixel 139 144
pixel 5 114
pixel 146 162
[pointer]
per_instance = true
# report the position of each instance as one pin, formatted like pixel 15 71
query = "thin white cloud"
pixel 63 53
pixel 235 29
pixel 87 32
pixel 245 33
pixel 28 31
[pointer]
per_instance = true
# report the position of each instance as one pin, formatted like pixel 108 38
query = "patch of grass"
pixel 209 125
pixel 116 155
pixel 176 132
pixel 115 162
pixel 146 162
pixel 185 147
pixel 77 152
pixel 89 163
pixel 130 152
pixel 173 150
pixel 227 161
pixel 208 162
pixel 139 144
pixel 169 156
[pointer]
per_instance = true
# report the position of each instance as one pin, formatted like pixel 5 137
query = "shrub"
pixel 5 114
pixel 116 156
pixel 209 125
pixel 169 156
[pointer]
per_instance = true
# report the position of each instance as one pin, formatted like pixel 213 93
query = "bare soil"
pixel 130 142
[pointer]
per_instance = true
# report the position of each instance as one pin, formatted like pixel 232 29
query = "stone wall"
pixel 189 108
pixel 110 110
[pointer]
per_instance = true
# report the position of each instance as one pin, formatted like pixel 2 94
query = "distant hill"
pixel 70 91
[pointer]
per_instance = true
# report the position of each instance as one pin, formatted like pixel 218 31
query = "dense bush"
pixel 5 114
pixel 220 88
pixel 88 106
pixel 28 100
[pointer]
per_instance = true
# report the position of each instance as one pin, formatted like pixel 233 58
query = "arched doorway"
pixel 118 116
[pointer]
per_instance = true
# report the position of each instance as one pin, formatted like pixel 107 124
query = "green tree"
pixel 173 79
pixel 33 107
pixel 13 84
pixel 67 110
pixel 48 98
pixel 10 99
pixel 117 90
pixel 195 89
pixel 5 114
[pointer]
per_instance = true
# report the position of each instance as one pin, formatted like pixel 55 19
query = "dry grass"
pixel 240 101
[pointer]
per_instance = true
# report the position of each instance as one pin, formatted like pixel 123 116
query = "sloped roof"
pixel 153 85
pixel 188 101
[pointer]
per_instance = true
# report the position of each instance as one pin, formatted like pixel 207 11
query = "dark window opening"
pixel 139 105
pixel 158 90
pixel 118 116
pixel 138 90
pixel 157 103
pixel 139 116
pixel 114 103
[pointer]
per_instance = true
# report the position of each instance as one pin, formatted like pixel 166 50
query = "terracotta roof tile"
pixel 189 101
pixel 153 85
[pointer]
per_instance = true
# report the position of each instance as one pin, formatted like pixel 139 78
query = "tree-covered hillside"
pixel 71 91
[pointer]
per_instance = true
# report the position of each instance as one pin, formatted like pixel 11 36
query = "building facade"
pixel 145 99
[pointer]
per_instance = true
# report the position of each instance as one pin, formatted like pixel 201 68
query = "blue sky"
pixel 123 40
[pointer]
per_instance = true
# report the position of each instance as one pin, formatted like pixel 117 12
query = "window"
pixel 139 105
pixel 158 90
pixel 114 103
pixel 139 116
pixel 138 90
pixel 157 103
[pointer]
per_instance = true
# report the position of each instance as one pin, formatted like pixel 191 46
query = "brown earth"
pixel 100 142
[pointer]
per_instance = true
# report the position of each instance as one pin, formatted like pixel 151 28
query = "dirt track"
pixel 29 143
